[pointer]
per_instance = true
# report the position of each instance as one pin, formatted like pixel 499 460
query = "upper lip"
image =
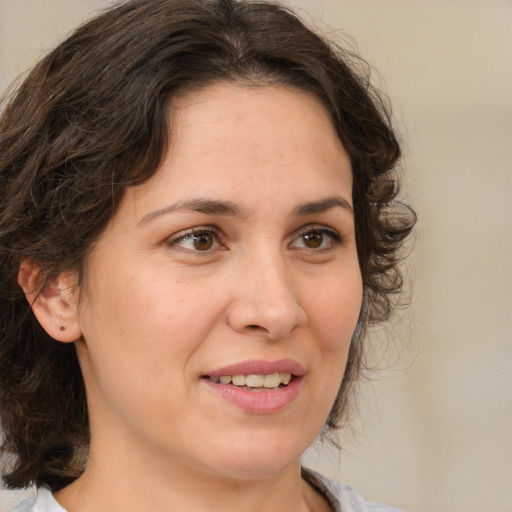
pixel 260 367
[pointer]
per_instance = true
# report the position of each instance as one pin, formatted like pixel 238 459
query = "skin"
pixel 156 313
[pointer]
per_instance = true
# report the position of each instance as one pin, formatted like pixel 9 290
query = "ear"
pixel 56 304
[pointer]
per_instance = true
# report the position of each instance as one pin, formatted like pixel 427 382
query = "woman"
pixel 198 225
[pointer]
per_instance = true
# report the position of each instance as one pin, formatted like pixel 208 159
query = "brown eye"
pixel 203 241
pixel 313 239
pixel 200 240
pixel 318 239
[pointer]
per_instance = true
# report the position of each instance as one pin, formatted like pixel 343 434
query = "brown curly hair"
pixel 91 119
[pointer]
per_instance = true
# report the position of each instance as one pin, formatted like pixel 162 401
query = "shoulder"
pixel 43 502
pixel 342 497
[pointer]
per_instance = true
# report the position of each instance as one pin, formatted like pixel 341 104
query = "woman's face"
pixel 232 269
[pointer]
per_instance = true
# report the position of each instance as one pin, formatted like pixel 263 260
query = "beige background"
pixel 436 430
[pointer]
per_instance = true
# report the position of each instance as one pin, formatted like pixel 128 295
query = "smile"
pixel 254 382
pixel 257 387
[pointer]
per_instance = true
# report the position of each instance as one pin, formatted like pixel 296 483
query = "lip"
pixel 258 401
pixel 260 367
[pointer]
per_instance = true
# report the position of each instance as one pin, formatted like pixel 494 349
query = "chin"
pixel 260 457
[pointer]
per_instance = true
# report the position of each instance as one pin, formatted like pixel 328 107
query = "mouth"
pixel 255 382
pixel 257 387
pixel 254 375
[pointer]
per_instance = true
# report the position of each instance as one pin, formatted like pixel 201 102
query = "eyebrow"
pixel 227 208
pixel 322 205
pixel 198 205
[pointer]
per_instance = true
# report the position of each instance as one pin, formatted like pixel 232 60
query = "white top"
pixel 342 498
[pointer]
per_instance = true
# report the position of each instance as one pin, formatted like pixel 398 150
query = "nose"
pixel 265 301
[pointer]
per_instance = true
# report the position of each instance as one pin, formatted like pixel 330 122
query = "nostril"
pixel 257 329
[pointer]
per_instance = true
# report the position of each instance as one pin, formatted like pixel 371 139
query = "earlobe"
pixel 53 301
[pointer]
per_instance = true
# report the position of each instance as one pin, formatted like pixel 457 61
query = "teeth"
pixel 238 380
pixel 270 381
pixel 255 381
pixel 285 378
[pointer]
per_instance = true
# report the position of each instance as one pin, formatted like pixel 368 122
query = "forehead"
pixel 226 115
pixel 239 141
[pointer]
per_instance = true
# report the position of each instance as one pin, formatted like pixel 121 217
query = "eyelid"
pixel 332 233
pixel 175 239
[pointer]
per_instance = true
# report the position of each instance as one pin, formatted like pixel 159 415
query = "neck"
pixel 142 484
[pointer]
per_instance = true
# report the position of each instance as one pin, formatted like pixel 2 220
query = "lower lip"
pixel 258 402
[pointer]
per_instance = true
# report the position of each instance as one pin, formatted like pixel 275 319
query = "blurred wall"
pixel 435 430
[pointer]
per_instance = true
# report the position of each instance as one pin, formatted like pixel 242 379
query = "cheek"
pixel 148 324
pixel 333 312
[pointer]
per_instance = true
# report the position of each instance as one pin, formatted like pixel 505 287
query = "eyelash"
pixel 334 236
pixel 195 232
